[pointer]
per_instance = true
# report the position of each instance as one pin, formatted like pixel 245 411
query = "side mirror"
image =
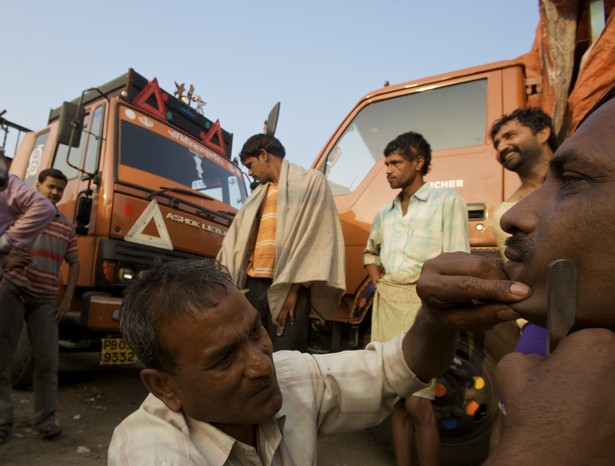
pixel 272 120
pixel 83 212
pixel 70 125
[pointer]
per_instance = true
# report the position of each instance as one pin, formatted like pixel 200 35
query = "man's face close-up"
pixel 52 189
pixel 571 216
pixel 225 372
pixel 400 171
pixel 258 168
pixel 516 145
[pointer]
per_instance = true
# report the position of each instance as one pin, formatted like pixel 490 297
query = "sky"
pixel 317 58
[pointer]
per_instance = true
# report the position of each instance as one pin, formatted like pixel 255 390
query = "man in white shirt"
pixel 219 396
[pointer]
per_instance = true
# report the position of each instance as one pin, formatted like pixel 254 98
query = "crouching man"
pixel 218 395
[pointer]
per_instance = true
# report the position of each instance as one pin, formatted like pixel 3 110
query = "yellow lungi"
pixel 395 307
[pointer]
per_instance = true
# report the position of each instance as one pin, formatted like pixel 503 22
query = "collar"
pixel 216 447
pixel 422 194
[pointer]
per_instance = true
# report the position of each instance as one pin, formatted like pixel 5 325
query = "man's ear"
pixel 544 134
pixel 263 155
pixel 160 385
pixel 420 162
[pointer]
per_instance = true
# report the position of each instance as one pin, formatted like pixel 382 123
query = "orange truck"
pixel 572 62
pixel 149 179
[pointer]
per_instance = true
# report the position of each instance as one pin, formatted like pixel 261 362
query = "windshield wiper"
pixel 164 189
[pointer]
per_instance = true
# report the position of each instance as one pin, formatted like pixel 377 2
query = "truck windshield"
pixel 448 117
pixel 155 148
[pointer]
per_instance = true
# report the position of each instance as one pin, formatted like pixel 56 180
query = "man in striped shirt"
pixel 285 246
pixel 29 291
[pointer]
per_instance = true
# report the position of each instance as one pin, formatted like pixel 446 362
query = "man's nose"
pixel 258 364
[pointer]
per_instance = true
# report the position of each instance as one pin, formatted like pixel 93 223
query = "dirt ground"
pixel 92 400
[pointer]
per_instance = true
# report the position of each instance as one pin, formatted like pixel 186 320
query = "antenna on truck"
pixel 271 122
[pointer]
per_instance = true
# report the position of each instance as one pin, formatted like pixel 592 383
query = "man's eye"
pixel 224 360
pixel 256 331
pixel 571 179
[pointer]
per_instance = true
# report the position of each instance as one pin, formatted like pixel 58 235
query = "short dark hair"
pixel 410 145
pixel 254 144
pixel 534 118
pixel 51 173
pixel 166 293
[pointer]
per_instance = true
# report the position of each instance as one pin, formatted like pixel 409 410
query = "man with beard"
pixel 570 216
pixel 525 142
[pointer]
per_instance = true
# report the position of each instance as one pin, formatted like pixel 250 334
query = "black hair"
pixel 268 142
pixel 534 118
pixel 51 173
pixel 410 145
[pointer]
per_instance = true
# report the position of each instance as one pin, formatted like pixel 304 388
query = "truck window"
pixel 36 156
pixel 92 151
pixel 155 148
pixel 449 117
pixel 59 161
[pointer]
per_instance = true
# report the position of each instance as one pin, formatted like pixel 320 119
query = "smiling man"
pixel 524 141
pixel 570 216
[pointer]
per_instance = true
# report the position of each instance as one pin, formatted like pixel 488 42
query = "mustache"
pixel 521 245
pixel 507 151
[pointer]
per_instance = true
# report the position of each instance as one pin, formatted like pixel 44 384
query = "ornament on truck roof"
pixel 189 97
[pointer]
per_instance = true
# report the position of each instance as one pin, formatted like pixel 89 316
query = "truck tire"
pixel 22 370
pixel 466 404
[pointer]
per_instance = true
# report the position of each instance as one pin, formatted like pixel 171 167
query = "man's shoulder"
pixel 295 170
pixel 151 432
pixel 441 193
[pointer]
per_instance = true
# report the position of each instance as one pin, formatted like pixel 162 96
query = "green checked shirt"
pixel 436 222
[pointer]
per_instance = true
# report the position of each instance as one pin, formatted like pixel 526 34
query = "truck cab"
pixel 454 112
pixel 150 180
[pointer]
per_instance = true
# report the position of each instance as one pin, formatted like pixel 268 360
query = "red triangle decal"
pixel 141 99
pixel 215 130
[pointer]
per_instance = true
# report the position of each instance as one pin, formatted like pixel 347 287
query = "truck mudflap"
pixel 349 319
pixel 100 311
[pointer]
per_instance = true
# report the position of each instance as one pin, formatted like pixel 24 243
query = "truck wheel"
pixel 466 403
pixel 22 370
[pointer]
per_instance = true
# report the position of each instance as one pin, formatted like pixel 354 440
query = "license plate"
pixel 116 351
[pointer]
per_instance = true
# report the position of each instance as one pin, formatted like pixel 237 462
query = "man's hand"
pixel 61 311
pixel 375 272
pixel 458 291
pixel 288 308
pixel 17 259
pixel 560 409
pixel 461 291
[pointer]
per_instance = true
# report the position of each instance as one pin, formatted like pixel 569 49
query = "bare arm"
pixel 375 273
pixel 288 308
pixel 71 283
